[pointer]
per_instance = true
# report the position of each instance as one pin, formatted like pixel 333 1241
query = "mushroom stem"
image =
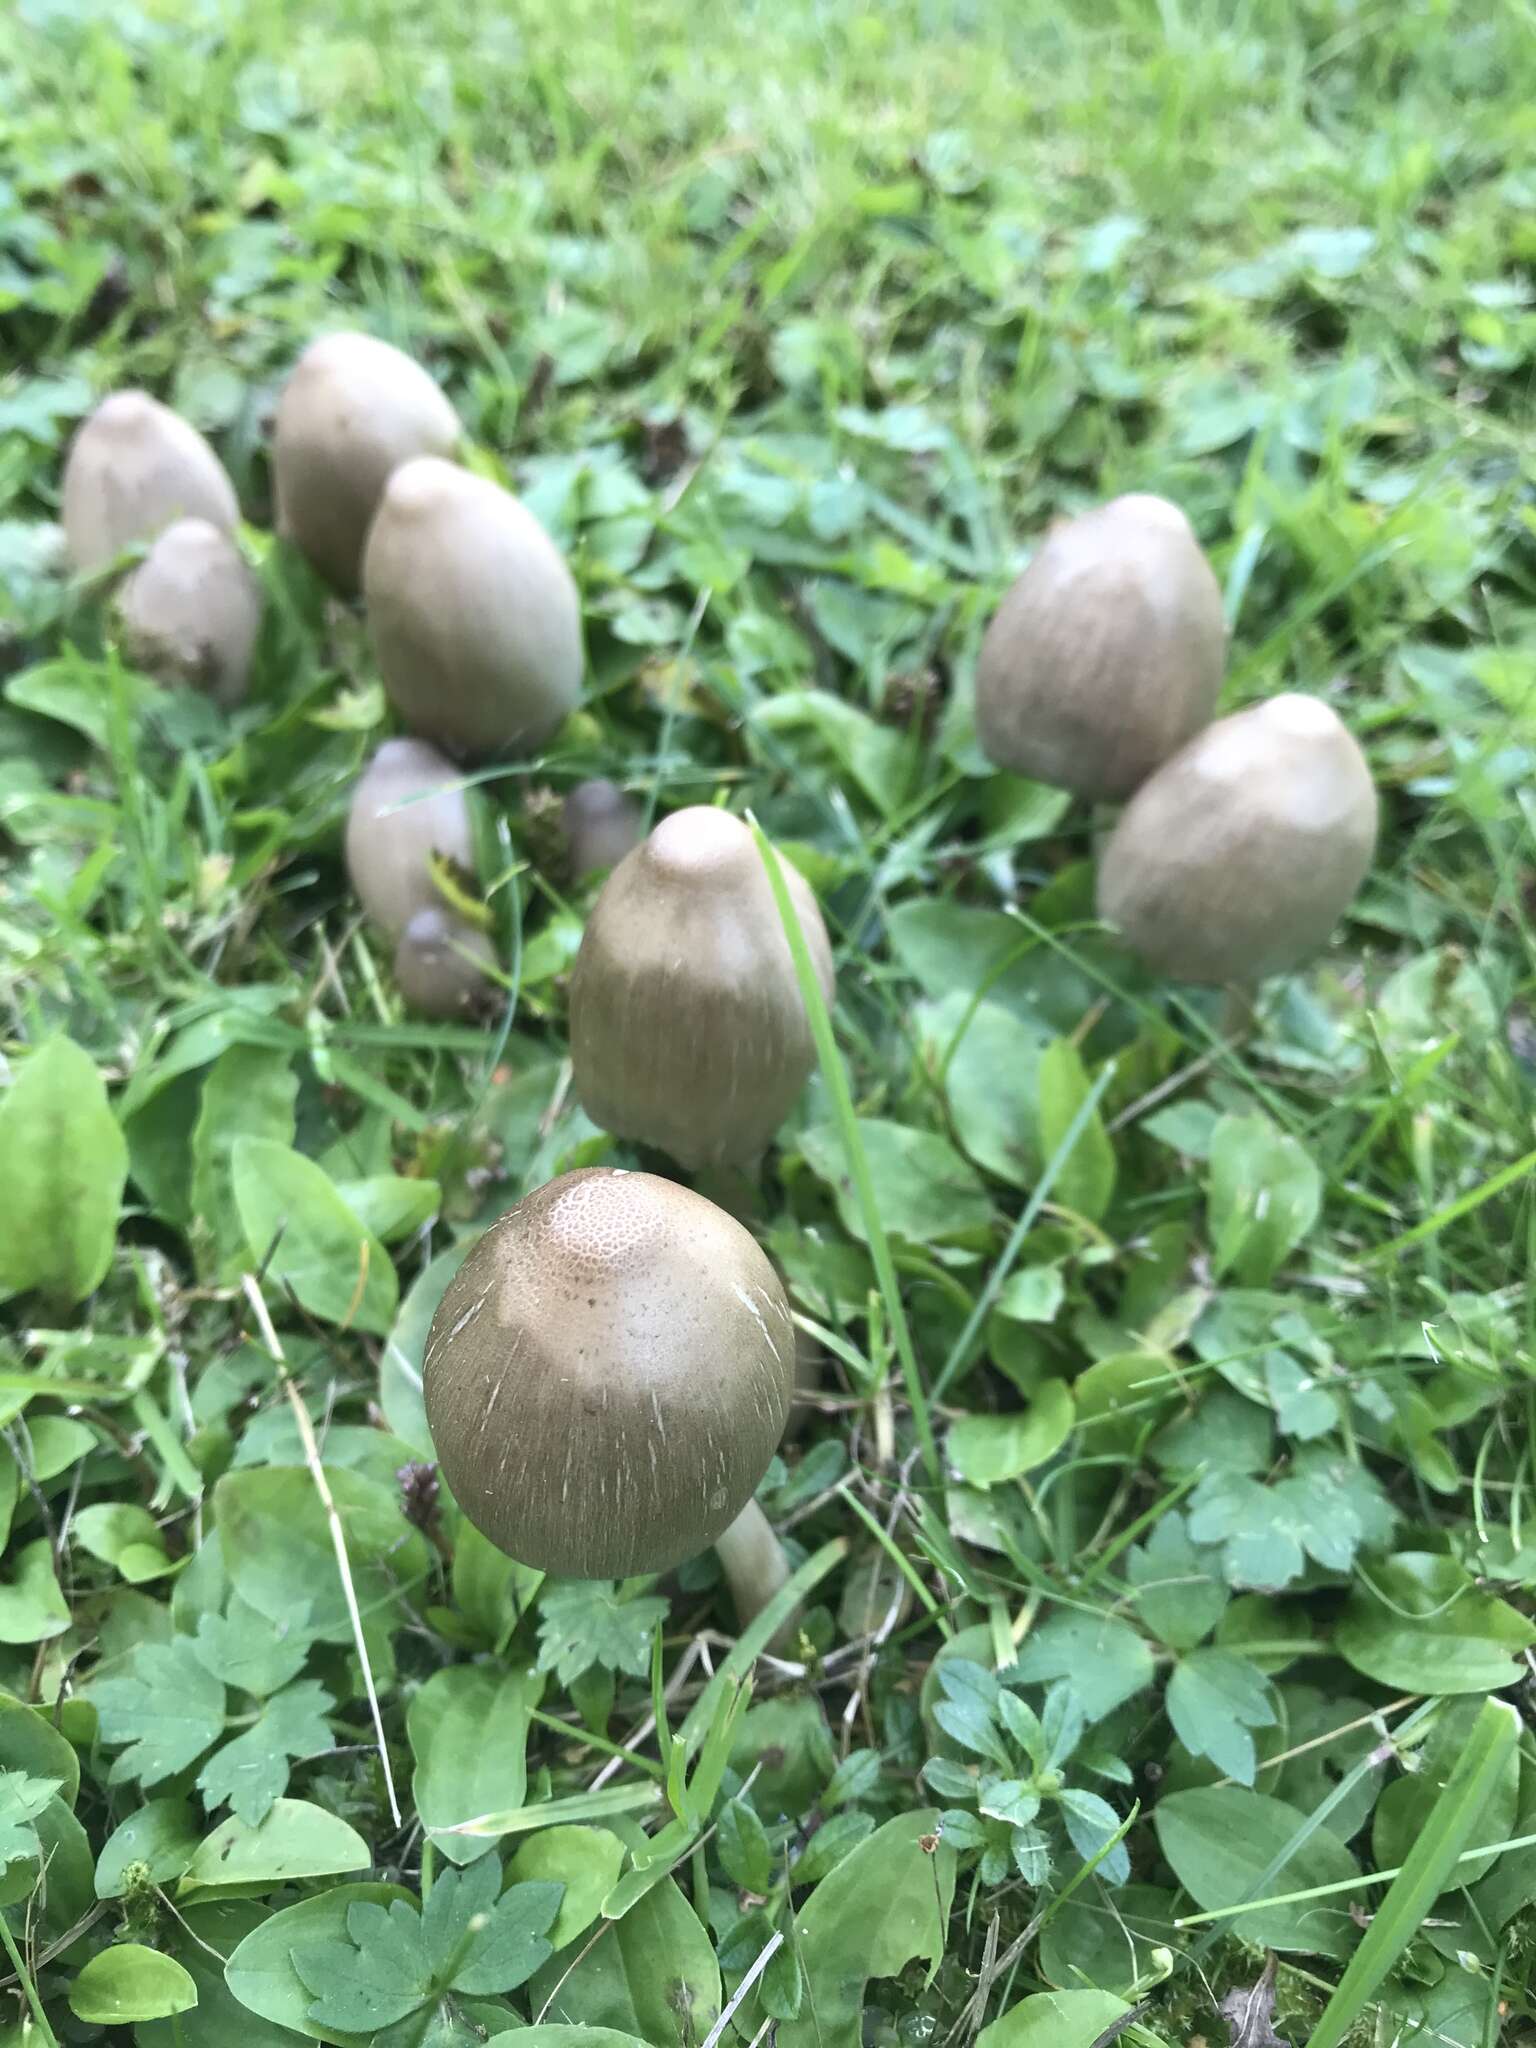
pixel 755 1565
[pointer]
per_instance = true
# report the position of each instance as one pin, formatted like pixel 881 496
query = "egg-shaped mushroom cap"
pixel 352 411
pixel 473 614
pixel 608 1375
pixel 1106 654
pixel 1237 858
pixel 601 825
pixel 688 1031
pixel 133 469
pixel 408 805
pixel 440 964
pixel 191 610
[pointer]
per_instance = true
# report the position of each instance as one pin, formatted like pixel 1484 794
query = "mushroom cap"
pixel 133 468
pixel 353 409
pixel 1236 859
pixel 1106 654
pixel 472 611
pixel 601 824
pixel 608 1375
pixel 440 962
pixel 407 806
pixel 687 1027
pixel 191 610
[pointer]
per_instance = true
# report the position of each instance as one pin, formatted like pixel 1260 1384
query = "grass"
pixel 1185 1377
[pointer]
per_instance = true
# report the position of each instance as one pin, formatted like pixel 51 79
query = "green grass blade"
pixel 1424 1875
pixel 756 1637
pixel 835 1074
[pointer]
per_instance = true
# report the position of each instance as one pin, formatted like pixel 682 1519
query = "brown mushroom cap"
pixel 406 807
pixel 608 1375
pixel 1237 858
pixel 472 611
pixel 1106 654
pixel 135 467
pixel 353 409
pixel 601 825
pixel 687 1027
pixel 440 962
pixel 191 610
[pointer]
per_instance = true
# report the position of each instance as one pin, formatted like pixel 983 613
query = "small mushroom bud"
pixel 407 807
pixel 473 614
pixel 687 1027
pixel 440 964
pixel 1237 858
pixel 352 411
pixel 1106 654
pixel 191 610
pixel 608 1375
pixel 133 469
pixel 601 824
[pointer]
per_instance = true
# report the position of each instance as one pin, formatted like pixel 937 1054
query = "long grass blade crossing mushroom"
pixel 191 610
pixel 353 409
pixel 133 469
pixel 473 614
pixel 407 808
pixel 1237 858
pixel 607 1378
pixel 687 1027
pixel 1107 652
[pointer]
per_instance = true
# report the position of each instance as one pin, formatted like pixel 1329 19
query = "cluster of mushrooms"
pixel 610 1372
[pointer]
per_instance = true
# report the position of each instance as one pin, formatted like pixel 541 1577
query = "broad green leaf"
pixel 490 1589
pixel 586 1861
pixel 30 1743
pixel 69 1892
pixel 208 1932
pixel 1082 1943
pixel 250 1092
pixel 1055 2019
pixel 1403 1811
pixel 1086 1181
pixel 277 1547
pixel 927 1192
pixel 583 1622
pixel 947 946
pixel 1178 1595
pixel 990 1080
pixel 987 1450
pixel 1416 1623
pixel 1106 1660
pixel 652 1975
pixel 62 1188
pixel 741 1841
pixel 468 1729
pixel 391 1206
pixel 242 1647
pixel 125 1536
pixel 1221 1841
pixel 295 1840
pixel 1265 1195
pixel 883 1907
pixel 338 1270
pixel 879 759
pixel 163 1835
pixel 165 1707
pixel 1213 1700
pixel 260 1972
pixel 1032 1295
pixel 249 1774
pixel 400 1393
pixel 128 1982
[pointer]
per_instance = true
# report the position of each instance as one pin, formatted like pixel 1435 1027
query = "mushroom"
pixel 440 964
pixel 472 611
pixel 1236 859
pixel 601 825
pixel 1106 655
pixel 408 807
pixel 353 409
pixel 134 468
pixel 687 1027
pixel 607 1378
pixel 191 610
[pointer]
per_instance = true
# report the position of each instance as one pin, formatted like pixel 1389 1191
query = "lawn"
pixel 1163 1510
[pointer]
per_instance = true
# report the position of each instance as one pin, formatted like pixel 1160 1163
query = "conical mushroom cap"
pixel 353 410
pixel 608 1375
pixel 191 610
pixel 601 825
pixel 687 1027
pixel 1106 655
pixel 439 964
pixel 473 614
pixel 135 467
pixel 407 806
pixel 1237 858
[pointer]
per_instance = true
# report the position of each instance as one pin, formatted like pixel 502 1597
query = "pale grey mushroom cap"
pixel 408 805
pixel 133 469
pixel 440 965
pixel 608 1375
pixel 191 610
